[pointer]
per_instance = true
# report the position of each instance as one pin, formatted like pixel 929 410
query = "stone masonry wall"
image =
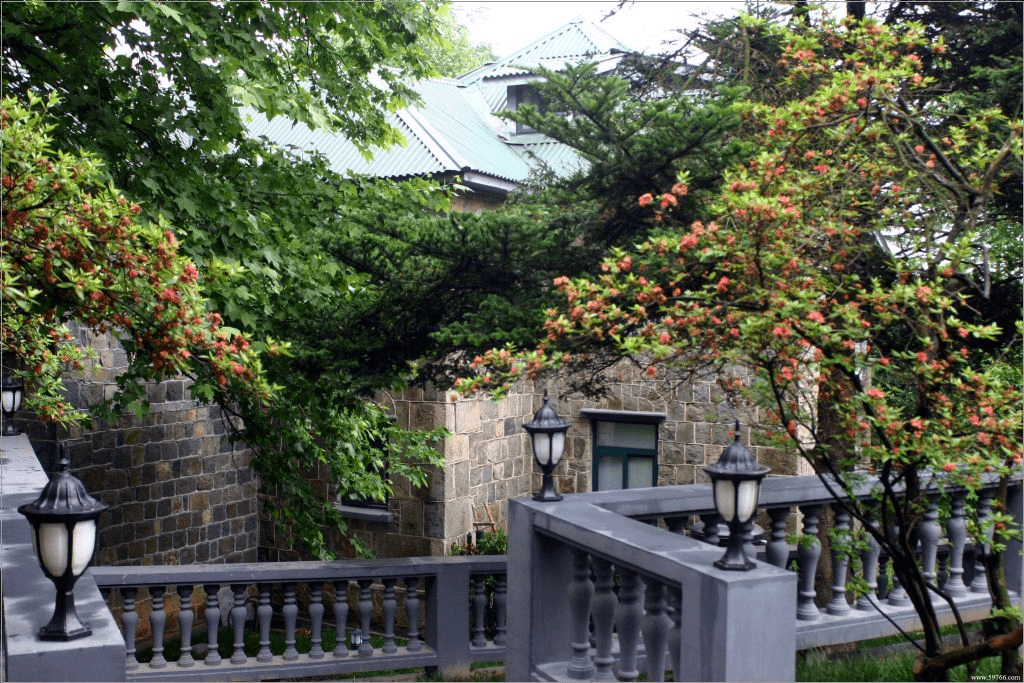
pixel 177 490
pixel 698 425
pixel 488 460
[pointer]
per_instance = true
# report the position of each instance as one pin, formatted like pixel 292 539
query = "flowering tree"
pixel 75 250
pixel 848 244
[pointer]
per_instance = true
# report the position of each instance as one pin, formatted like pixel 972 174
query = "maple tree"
pixel 848 244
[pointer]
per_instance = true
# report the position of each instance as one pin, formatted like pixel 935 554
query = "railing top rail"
pixel 695 499
pixel 623 541
pixel 276 572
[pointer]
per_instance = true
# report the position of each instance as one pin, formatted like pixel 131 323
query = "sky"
pixel 507 25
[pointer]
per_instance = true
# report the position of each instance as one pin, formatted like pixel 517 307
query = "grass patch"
pixel 815 665
pixel 868 663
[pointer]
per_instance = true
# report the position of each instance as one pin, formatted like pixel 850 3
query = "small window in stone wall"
pixel 370 504
pixel 625 449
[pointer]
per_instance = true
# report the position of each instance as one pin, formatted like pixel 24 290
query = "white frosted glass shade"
pixel 542 447
pixel 557 447
pixel 9 401
pixel 746 499
pixel 53 546
pixel 725 498
pixel 548 447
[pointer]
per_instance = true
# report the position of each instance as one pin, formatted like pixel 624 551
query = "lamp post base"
pixel 735 559
pixel 64 624
pixel 547 493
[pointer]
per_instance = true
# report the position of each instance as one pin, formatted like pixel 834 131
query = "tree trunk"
pixel 936 668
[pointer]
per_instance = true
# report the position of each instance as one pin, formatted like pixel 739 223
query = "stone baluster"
pixel 627 622
pixel 238 591
pixel 341 617
pixel 898 595
pixel 603 612
pixel 212 618
pixel 501 609
pixel 675 631
pixel 290 613
pixel 365 610
pixel 808 552
pixel 479 606
pixel 956 532
pixel 654 626
pixel 929 533
pixel 157 622
pixel 777 550
pixel 581 591
pixel 186 618
pixel 980 582
pixel 264 615
pixel 412 611
pixel 869 561
pixel 316 620
pixel 710 533
pixel 390 604
pixel 838 606
pixel 130 621
pixel 677 525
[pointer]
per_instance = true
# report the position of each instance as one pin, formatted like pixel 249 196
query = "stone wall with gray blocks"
pixel 698 425
pixel 488 460
pixel 178 491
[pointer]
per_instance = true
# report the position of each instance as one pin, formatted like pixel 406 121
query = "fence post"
pixel 1012 555
pixel 727 618
pixel 447 619
pixel 539 618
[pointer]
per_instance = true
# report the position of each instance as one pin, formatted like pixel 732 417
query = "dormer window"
pixel 519 95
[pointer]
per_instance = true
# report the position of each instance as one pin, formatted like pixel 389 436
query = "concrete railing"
pixel 426 612
pixel 638 562
pixel 604 585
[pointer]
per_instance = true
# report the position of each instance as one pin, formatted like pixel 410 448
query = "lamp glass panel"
pixel 542 447
pixel 609 473
pixel 8 400
pixel 725 499
pixel 746 499
pixel 53 547
pixel 84 534
pixel 627 435
pixel 557 447
pixel 641 471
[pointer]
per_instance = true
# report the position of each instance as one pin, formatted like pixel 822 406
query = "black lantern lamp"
pixel 547 437
pixel 736 482
pixel 64 534
pixel 13 392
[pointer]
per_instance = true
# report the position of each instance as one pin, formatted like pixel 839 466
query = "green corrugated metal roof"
pixel 452 130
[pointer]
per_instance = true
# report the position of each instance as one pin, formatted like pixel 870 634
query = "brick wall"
pixel 178 491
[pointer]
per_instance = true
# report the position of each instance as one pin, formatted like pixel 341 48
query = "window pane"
pixel 609 473
pixel 641 471
pixel 627 435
